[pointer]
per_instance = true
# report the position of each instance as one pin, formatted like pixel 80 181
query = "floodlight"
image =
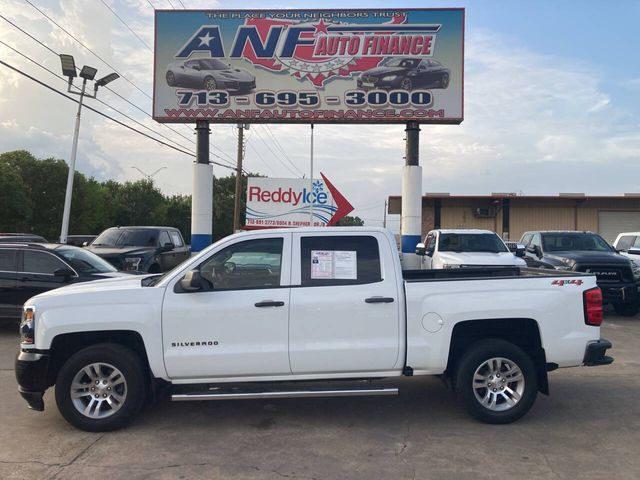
pixel 88 73
pixel 107 79
pixel 68 65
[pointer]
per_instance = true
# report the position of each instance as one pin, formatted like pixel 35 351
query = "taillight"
pixel 593 307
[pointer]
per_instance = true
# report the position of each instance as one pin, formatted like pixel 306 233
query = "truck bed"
pixel 488 272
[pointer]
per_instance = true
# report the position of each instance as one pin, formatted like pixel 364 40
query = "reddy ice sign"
pixel 309 66
pixel 287 202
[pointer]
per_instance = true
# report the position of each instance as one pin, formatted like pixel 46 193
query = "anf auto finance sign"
pixel 309 66
pixel 286 202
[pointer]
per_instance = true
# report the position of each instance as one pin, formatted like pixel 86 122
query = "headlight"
pixel 451 265
pixel 27 325
pixel 635 268
pixel 132 263
pixel 389 78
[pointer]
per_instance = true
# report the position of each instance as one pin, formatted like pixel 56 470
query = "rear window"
pixel 339 260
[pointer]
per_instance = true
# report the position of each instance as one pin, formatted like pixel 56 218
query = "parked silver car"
pixel 210 74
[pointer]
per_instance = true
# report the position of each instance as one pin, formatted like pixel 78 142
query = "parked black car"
pixel 210 74
pixel 27 269
pixel 21 238
pixel 146 249
pixel 616 275
pixel 406 74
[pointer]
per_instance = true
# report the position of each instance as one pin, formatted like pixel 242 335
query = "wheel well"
pixel 65 345
pixel 523 332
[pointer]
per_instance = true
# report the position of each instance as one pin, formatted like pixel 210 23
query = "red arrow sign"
pixel 344 207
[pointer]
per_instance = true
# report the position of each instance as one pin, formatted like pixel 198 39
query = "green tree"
pixel 15 204
pixel 178 214
pixel 350 221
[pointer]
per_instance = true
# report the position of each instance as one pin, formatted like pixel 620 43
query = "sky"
pixel 552 104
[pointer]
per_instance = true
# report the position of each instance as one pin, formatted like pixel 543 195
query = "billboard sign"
pixel 309 66
pixel 286 202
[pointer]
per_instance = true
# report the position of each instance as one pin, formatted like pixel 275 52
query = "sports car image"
pixel 406 74
pixel 209 74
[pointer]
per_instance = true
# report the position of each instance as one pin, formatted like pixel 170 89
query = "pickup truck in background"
pixel 465 248
pixel 617 276
pixel 145 249
pixel 294 313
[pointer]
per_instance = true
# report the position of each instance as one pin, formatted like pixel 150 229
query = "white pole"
pixel 311 183
pixel 72 170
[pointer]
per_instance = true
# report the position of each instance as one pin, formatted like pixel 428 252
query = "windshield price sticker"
pixel 334 265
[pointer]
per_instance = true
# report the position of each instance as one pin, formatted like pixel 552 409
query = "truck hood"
pixel 481 258
pixel 119 283
pixel 609 258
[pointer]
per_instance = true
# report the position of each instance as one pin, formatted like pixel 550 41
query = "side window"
pixel 339 260
pixel 526 239
pixel 190 64
pixel 248 264
pixel 636 244
pixel 625 242
pixel 41 262
pixel 430 242
pixel 176 239
pixel 163 238
pixel 536 241
pixel 8 260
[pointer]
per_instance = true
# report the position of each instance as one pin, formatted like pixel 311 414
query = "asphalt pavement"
pixel 589 428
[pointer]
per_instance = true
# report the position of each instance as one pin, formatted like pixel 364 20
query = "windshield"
pixel 213 64
pixel 471 242
pixel 402 62
pixel 120 237
pixel 85 262
pixel 562 242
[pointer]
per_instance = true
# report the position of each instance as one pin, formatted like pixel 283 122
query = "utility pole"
pixel 384 218
pixel 236 207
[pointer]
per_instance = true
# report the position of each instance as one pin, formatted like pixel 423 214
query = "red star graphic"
pixel 321 27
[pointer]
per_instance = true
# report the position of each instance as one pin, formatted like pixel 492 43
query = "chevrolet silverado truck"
pixel 617 276
pixel 295 313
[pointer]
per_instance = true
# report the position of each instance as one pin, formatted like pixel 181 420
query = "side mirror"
pixel 84 244
pixel 191 282
pixel 421 249
pixel 519 250
pixel 634 251
pixel 535 249
pixel 167 247
pixel 65 273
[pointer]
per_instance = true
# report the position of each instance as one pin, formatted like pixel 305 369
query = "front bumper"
pixel 32 374
pixel 626 293
pixel 594 354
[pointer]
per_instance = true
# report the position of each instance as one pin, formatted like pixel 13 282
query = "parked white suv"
pixel 628 244
pixel 464 248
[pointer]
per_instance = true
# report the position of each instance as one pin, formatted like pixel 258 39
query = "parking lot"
pixel 588 428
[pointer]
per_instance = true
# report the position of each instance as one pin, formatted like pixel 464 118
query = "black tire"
pixel 171 79
pixel 626 309
pixel 444 80
pixel 475 360
pixel 406 84
pixel 210 83
pixel 128 364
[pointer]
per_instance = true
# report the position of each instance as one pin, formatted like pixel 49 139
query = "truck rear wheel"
pixel 100 388
pixel 626 309
pixel 497 381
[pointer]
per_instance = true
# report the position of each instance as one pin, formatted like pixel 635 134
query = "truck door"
pixel 345 305
pixel 236 324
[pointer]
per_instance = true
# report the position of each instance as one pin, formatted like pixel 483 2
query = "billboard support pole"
pixel 202 199
pixel 236 205
pixel 311 182
pixel 411 222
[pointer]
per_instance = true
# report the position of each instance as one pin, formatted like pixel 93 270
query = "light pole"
pixel 87 73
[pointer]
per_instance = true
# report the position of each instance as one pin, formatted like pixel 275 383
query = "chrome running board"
pixel 248 395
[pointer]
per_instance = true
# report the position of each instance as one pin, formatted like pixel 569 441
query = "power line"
pixel 279 147
pixel 182 4
pixel 173 147
pixel 276 155
pixel 229 160
pixel 127 25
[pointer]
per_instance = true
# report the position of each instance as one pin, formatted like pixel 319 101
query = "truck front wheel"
pixel 100 388
pixel 497 381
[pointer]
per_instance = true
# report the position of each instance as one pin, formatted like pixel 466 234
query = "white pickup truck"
pixel 286 313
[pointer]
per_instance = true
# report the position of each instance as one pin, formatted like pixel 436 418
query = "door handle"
pixel 269 303
pixel 379 300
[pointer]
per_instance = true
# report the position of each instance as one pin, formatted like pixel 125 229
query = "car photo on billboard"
pixel 406 74
pixel 209 74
